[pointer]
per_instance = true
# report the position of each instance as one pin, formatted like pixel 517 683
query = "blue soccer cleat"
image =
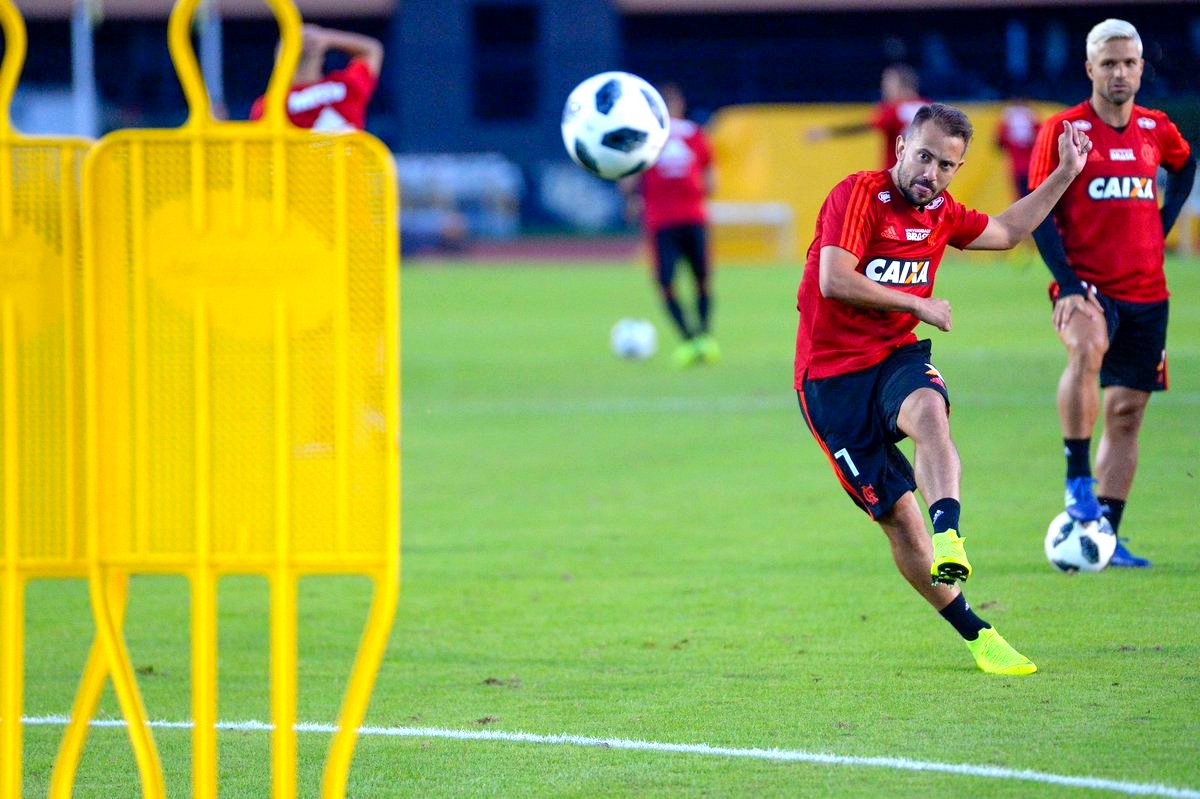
pixel 1082 505
pixel 1124 559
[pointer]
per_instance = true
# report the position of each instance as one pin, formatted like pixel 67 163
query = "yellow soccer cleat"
pixel 949 559
pixel 687 354
pixel 710 351
pixel 996 656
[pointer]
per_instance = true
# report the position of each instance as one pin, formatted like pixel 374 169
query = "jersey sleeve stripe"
pixel 856 215
pixel 848 221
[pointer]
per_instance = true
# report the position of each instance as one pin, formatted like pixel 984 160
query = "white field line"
pixel 787 755
pixel 784 401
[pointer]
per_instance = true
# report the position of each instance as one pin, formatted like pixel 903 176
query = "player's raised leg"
pixel 1117 458
pixel 912 551
pixel 923 418
pixel 1082 329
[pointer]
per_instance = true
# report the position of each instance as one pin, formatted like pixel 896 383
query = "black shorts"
pixel 853 417
pixel 672 243
pixel 1137 343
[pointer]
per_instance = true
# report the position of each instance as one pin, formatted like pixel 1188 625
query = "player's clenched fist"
pixel 936 312
pixel 1073 148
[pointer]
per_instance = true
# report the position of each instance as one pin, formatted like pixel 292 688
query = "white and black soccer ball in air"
pixel 1073 546
pixel 633 339
pixel 615 125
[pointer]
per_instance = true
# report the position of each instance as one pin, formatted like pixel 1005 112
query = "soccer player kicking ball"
pixel 865 382
pixel 1104 247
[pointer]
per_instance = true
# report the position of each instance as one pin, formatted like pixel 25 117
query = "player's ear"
pixel 900 148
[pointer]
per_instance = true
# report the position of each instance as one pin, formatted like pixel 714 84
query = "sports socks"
pixel 676 312
pixel 1077 451
pixel 944 514
pixel 963 619
pixel 1115 510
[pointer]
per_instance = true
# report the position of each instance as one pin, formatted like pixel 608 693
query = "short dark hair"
pixel 951 121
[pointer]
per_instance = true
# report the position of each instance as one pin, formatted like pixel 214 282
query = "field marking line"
pixel 716 404
pixel 787 755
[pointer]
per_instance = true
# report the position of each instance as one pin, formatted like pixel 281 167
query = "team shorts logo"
pixel 1147 123
pixel 1082 124
pixel 917 233
pixel 936 204
pixel 1127 188
pixel 898 273
pixel 884 196
pixel 934 375
pixel 1125 154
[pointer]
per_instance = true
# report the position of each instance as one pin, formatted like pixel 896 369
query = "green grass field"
pixel 627 551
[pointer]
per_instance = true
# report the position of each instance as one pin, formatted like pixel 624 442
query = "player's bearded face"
pixel 1116 71
pixel 928 159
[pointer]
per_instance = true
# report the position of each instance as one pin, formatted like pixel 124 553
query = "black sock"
pixel 1116 509
pixel 1078 457
pixel 676 312
pixel 703 309
pixel 944 514
pixel 963 619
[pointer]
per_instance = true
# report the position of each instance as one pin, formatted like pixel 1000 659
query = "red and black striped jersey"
pixel 898 245
pixel 1108 217
pixel 674 188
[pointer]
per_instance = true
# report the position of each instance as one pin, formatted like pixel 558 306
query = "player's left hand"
pixel 1073 148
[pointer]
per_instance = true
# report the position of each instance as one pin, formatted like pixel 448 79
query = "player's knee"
pixel 1087 351
pixel 1123 417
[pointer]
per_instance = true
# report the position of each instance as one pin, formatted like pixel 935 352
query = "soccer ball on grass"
pixel 615 124
pixel 633 339
pixel 1073 546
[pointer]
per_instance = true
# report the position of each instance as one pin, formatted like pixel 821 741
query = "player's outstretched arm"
pixel 840 280
pixel 1020 219
pixel 355 45
pixel 823 132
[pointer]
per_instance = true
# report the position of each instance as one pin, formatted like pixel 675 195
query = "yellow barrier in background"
pixel 41 415
pixel 241 339
pixel 763 156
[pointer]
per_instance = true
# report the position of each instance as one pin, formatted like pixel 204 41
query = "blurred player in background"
pixel 1015 135
pixel 864 381
pixel 673 196
pixel 901 100
pixel 334 101
pixel 1104 247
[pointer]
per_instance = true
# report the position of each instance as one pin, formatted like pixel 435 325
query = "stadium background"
pixel 635 553
pixel 471 91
